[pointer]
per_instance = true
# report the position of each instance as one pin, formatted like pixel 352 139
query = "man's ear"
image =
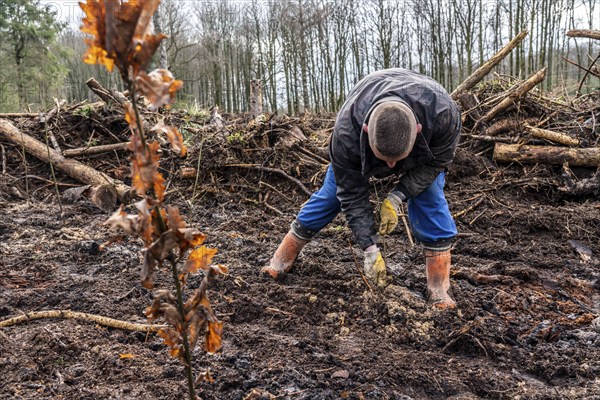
pixel 419 128
pixel 365 128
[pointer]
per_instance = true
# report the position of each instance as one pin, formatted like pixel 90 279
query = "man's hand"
pixel 374 266
pixel 389 214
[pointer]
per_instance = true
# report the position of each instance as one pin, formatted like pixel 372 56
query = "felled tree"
pixel 120 36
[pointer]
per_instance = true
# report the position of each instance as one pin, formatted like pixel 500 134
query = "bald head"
pixel 392 130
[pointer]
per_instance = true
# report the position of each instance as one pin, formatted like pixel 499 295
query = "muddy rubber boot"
pixel 438 278
pixel 284 256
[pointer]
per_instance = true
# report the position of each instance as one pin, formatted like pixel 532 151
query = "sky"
pixel 69 10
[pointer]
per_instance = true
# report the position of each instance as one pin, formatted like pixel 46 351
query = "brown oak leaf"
pixel 174 136
pixel 159 87
pixel 213 337
pixel 198 259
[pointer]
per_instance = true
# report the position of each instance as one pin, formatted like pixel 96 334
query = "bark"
pixel 508 125
pixel 482 71
pixel 554 155
pixel 104 196
pixel 469 103
pixel 256 104
pixel 552 136
pixel 162 49
pixel 585 33
pixel 73 168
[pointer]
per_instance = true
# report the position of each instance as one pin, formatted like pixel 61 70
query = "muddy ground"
pixel 525 277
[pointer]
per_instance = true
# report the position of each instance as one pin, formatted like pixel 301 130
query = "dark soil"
pixel 526 279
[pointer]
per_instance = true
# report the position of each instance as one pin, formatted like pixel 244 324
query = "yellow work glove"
pixel 389 214
pixel 374 266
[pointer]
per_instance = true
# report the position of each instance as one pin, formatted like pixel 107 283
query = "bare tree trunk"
pixel 162 49
pixel 256 104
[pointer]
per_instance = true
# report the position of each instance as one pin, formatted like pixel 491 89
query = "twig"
pixel 493 139
pixel 19 115
pixel 25 165
pixel 471 207
pixel 456 335
pixel 585 76
pixel 47 180
pixel 270 207
pixel 85 151
pixel 273 188
pixel 588 70
pixel 310 154
pixel 362 275
pixel 278 311
pixel 408 233
pixel 52 171
pixel 3 155
pixel 197 170
pixel 271 170
pixel 68 314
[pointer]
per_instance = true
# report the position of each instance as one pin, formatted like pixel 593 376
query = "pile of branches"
pixel 514 123
pixel 81 149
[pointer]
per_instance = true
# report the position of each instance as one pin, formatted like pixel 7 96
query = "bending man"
pixel 398 122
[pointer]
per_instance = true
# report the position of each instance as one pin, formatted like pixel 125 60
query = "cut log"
pixel 553 155
pixel 104 196
pixel 187 173
pixel 515 95
pixel 552 136
pixel 75 169
pixel 585 33
pixel 482 71
pixel 508 125
pixel 86 151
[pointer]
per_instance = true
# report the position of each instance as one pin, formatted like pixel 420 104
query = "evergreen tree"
pixel 29 52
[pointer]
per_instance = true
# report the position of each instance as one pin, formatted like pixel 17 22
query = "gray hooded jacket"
pixel 353 161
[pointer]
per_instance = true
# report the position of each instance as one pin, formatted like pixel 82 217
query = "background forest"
pixel 307 53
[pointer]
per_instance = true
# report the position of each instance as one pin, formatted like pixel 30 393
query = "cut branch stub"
pixel 585 33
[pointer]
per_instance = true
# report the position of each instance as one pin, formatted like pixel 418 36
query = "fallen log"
pixel 482 71
pixel 585 33
pixel 112 188
pixel 553 155
pixel 86 151
pixel 514 95
pixel 552 136
pixel 508 125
